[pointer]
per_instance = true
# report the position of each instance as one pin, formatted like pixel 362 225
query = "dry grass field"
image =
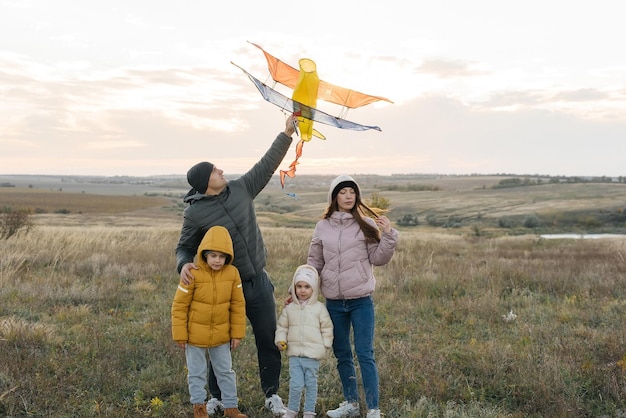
pixel 450 202
pixel 473 320
pixel 54 202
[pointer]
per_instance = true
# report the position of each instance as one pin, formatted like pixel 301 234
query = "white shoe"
pixel 275 405
pixel 373 413
pixel 214 406
pixel 346 409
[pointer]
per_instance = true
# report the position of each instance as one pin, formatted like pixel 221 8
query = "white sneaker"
pixel 214 406
pixel 346 409
pixel 373 413
pixel 275 405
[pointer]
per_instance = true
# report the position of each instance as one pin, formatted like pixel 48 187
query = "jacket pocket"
pixel 365 270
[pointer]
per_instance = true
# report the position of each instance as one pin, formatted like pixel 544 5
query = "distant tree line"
pixel 410 187
pixel 528 181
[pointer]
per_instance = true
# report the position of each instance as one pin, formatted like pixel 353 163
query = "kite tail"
pixel 292 169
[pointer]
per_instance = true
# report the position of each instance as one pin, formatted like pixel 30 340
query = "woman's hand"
pixel 383 223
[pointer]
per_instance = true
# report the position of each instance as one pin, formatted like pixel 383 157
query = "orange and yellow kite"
pixel 307 89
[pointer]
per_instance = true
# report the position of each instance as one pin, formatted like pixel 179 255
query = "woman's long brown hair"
pixel 359 211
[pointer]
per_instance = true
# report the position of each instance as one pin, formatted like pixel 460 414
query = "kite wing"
pixel 303 110
pixel 288 76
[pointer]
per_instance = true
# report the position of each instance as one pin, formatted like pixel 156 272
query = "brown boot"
pixel 199 411
pixel 233 413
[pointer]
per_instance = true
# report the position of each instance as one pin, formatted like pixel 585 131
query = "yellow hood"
pixel 216 239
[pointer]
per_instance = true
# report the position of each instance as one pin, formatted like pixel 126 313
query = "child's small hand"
pixel 282 346
pixel 181 344
pixel 234 343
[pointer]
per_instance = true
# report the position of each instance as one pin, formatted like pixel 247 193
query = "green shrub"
pixel 532 221
pixel 408 220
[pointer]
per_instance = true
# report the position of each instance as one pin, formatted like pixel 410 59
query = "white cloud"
pixel 139 87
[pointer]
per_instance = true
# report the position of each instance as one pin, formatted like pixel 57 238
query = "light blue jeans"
pixel 197 366
pixel 357 314
pixel 303 376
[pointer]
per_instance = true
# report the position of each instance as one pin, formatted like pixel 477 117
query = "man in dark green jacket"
pixel 213 200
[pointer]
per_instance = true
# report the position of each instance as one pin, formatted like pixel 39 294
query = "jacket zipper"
pixel 339 256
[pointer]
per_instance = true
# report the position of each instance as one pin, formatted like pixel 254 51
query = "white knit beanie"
pixel 306 273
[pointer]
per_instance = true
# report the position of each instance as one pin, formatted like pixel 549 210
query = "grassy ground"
pixel 85 326
pixel 472 320
pixel 55 202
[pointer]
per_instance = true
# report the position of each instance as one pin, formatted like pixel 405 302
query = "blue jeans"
pixel 303 376
pixel 358 314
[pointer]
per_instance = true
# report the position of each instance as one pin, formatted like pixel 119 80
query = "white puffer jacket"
pixel 307 329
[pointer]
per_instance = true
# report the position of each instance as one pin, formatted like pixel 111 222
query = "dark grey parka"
pixel 233 208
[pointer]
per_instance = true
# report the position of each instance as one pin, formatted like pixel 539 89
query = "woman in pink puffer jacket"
pixel 346 244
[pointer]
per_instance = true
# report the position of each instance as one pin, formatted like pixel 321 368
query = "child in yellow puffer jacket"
pixel 209 314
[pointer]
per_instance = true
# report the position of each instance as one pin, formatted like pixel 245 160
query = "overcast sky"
pixel 146 87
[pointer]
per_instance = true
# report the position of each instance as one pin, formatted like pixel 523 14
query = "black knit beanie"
pixel 198 176
pixel 343 184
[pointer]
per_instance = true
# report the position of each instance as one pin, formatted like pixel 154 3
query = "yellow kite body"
pixel 305 92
